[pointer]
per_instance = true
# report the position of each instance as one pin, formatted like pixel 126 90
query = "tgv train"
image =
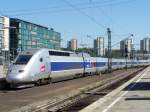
pixel 44 66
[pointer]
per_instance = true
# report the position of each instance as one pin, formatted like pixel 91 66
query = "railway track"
pixel 90 95
pixel 82 97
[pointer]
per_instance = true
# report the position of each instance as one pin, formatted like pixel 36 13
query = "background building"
pixel 99 46
pixel 128 43
pixel 18 35
pixel 4 39
pixel 72 44
pixel 145 45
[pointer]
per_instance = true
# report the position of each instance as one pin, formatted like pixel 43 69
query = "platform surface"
pixel 133 96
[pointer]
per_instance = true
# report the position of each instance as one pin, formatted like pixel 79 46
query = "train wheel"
pixel 49 80
pixel 38 82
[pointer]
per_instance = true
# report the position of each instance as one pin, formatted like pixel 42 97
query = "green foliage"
pixel 115 54
pixel 141 52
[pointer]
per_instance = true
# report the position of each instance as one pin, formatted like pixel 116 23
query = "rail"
pixel 63 102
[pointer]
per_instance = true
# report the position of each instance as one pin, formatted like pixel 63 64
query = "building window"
pixel 1 33
pixel 1 26
pixel 19 42
pixel 1 20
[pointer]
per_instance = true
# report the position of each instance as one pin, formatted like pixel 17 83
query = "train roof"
pixel 29 51
pixel 84 54
pixel 33 51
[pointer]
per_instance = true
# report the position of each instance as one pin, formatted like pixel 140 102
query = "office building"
pixel 145 45
pixel 4 39
pixel 128 44
pixel 99 46
pixel 72 44
pixel 18 35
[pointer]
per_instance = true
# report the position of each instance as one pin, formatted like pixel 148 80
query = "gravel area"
pixel 12 99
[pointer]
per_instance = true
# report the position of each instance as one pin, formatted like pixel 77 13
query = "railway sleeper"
pixel 98 93
pixel 90 95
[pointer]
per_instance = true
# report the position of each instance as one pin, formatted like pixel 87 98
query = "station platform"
pixel 133 96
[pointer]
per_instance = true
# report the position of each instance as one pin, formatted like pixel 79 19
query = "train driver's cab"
pixel 22 59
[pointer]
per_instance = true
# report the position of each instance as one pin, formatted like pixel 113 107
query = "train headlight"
pixel 20 71
pixel 20 76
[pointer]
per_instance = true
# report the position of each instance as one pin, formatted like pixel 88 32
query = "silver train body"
pixel 37 65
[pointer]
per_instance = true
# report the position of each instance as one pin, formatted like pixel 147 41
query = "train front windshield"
pixel 23 59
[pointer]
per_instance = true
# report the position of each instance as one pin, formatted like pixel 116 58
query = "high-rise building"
pixel 17 34
pixel 4 39
pixel 142 45
pixel 72 44
pixel 68 45
pixel 145 45
pixel 4 33
pixel 99 46
pixel 128 44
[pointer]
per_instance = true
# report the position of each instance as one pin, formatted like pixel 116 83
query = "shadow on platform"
pixel 138 98
pixel 145 78
pixel 142 86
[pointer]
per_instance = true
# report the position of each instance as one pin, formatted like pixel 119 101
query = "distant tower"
pixel 142 45
pixel 68 45
pixel 72 44
pixel 145 45
pixel 128 42
pixel 99 46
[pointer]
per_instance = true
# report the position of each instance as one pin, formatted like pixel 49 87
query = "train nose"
pixel 15 74
pixel 14 78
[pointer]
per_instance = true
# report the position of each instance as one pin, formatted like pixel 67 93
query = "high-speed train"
pixel 46 65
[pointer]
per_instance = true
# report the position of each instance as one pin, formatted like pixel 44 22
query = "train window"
pixel 56 53
pixel 41 59
pixel 23 59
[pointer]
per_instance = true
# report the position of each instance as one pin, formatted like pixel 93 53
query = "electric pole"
pixel 109 51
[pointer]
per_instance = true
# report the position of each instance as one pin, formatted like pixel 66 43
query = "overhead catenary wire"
pixel 58 9
pixel 108 17
pixel 80 11
pixel 104 2
pixel 85 14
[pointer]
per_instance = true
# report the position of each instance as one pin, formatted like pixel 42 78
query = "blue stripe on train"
pixel 57 66
pixel 100 64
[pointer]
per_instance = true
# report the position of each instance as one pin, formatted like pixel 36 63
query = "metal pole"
pixel 109 51
pixel 3 54
pixel 126 55
pixel 126 64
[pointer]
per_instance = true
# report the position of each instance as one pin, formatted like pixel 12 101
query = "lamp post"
pixel 126 51
pixel 125 48
pixel 109 51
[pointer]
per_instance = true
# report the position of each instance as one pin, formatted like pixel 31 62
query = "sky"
pixel 79 18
